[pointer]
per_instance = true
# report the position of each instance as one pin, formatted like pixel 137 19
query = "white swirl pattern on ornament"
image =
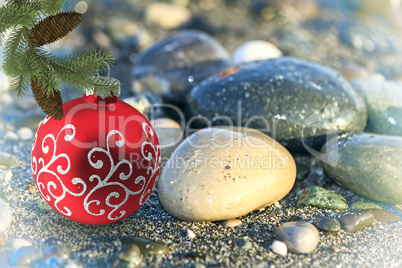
pixel 148 151
pixel 60 171
pixel 140 180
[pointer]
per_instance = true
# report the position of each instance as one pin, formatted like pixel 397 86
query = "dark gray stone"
pixel 368 164
pixel 384 105
pixel 294 101
pixel 329 225
pixel 356 222
pixel 172 66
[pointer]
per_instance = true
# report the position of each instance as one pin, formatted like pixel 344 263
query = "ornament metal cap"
pixel 110 80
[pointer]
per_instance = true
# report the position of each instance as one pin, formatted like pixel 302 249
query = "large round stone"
pixel 172 66
pixel 384 105
pixel 294 101
pixel 368 164
pixel 218 174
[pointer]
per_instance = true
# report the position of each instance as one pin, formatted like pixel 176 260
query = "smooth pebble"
pixel 329 225
pixel 147 246
pixel 5 215
pixel 169 135
pixel 231 223
pixel 243 243
pixel 218 174
pixel 255 50
pixel 25 133
pixel 280 97
pixel 356 222
pixel 8 160
pixel 368 164
pixel 279 247
pixel 17 243
pixel 299 236
pixel 167 15
pixel 190 234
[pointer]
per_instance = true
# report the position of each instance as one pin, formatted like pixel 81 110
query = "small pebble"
pixel 383 216
pixel 356 222
pixel 255 50
pixel 243 243
pixel 56 250
pixel 329 225
pixel 230 223
pixel 169 135
pixel 33 121
pixel 3 239
pixel 25 133
pixel 168 16
pixel 44 207
pixel 17 243
pixel 302 171
pixel 359 205
pixel 147 246
pixel 299 236
pixel 190 234
pixel 10 136
pixel 8 160
pixel 8 176
pixel 131 255
pixel 25 256
pixel 279 247
pixel 320 197
pixel 5 215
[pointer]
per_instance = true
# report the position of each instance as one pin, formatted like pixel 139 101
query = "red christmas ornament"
pixel 98 164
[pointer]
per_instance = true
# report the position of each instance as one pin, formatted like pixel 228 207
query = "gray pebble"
pixel 355 222
pixel 383 216
pixel 302 171
pixel 25 133
pixel 329 225
pixel 25 256
pixel 17 243
pixel 131 255
pixel 299 236
pixel 56 250
pixel 8 160
pixel 10 136
pixel 243 243
pixel 5 215
pixel 3 239
pixel 230 223
pixel 147 246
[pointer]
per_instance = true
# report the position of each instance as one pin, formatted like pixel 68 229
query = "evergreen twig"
pixel 29 64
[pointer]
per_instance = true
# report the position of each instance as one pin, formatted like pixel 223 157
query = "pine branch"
pixel 14 50
pixel 12 15
pixel 51 7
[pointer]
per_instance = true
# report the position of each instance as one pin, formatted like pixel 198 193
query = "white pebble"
pixel 167 15
pixel 5 215
pixel 190 234
pixel 8 176
pixel 17 243
pixel 279 247
pixel 255 50
pixel 11 136
pixel 25 133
